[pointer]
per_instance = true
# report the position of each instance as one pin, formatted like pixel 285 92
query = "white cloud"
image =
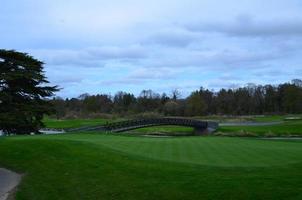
pixel 174 37
pixel 247 26
pixel 90 56
pixel 131 45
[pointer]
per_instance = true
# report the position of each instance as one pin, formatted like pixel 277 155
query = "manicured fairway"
pixel 98 166
pixel 211 151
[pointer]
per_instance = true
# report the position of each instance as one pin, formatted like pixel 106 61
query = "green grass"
pixel 272 118
pixel 98 166
pixel 246 118
pixel 268 118
pixel 287 128
pixel 73 123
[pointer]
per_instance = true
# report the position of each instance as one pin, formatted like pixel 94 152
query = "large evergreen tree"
pixel 23 93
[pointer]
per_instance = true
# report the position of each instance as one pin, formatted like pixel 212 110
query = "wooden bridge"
pixel 200 127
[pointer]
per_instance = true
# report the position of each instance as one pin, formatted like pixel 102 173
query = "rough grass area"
pixel 287 128
pixel 96 166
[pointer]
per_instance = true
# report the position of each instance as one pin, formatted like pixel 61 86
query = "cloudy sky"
pixel 99 46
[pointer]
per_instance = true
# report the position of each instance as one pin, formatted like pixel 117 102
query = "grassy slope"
pixel 269 118
pixel 87 166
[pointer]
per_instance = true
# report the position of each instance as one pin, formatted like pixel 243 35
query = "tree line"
pixel 252 99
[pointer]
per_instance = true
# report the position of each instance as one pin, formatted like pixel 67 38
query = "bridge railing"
pixel 157 121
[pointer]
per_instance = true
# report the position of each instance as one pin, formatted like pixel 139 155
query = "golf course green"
pixel 104 166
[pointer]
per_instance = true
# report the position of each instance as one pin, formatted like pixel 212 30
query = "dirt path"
pixel 8 182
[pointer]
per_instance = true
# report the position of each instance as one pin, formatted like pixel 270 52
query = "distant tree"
pixel 290 98
pixel 74 105
pixel 90 104
pixel 148 101
pixel 258 100
pixel 123 102
pixel 83 96
pixel 242 101
pixel 60 108
pixel 225 102
pixel 164 98
pixel 100 103
pixel 175 94
pixel 271 103
pixel 22 93
pixel 195 105
pixel 171 108
pixel 208 98
pixel 297 82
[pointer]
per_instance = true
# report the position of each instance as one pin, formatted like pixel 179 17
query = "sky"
pixel 99 46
